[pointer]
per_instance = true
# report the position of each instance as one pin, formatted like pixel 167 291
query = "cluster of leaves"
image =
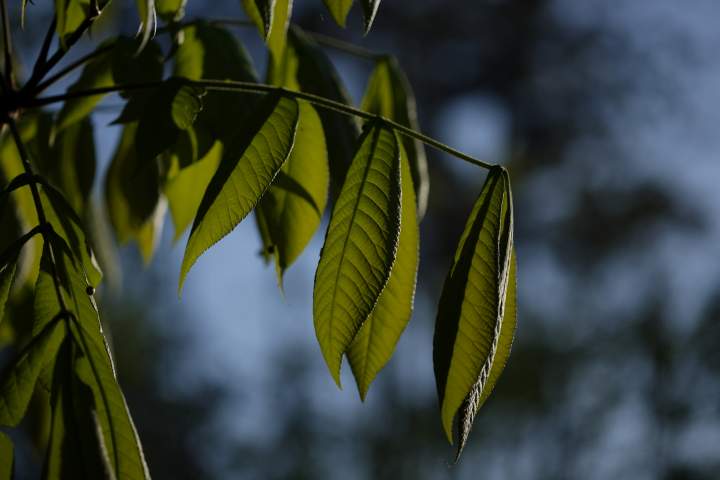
pixel 212 144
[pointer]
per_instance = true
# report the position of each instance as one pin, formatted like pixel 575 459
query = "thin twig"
pixel 42 86
pixel 222 85
pixel 43 54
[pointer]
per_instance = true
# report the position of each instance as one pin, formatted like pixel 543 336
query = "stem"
pixel 42 56
pixel 222 85
pixel 42 218
pixel 77 63
pixel 345 47
pixel 7 44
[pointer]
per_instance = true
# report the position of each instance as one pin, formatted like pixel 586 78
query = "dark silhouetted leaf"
pixel 375 341
pixel 245 172
pixel 470 334
pixel 360 245
pixel 370 8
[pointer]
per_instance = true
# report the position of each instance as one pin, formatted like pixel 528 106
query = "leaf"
pixel 370 8
pixel 148 20
pixel 375 341
pixel 360 245
pixel 136 60
pixel 96 74
pixel 261 12
pixel 390 95
pixel 339 10
pixel 19 378
pixel 245 172
pixel 131 188
pixel 293 207
pixel 7 457
pixel 212 53
pixel 170 10
pixel 185 190
pixel 470 331
pixel 95 367
pixel 316 75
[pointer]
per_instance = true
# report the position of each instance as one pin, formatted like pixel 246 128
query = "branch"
pixel 43 54
pixel 46 228
pixel 77 63
pixel 222 85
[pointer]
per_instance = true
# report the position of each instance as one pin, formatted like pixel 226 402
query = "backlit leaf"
pixel 390 95
pixel 470 335
pixel 292 208
pixel 375 341
pixel 316 74
pixel 245 172
pixel 339 10
pixel 7 457
pixel 170 10
pixel 370 8
pixel 262 13
pixel 360 245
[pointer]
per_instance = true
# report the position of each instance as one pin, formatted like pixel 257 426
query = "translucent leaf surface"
pixel 375 341
pixel 471 312
pixel 390 95
pixel 246 170
pixel 339 10
pixel 360 245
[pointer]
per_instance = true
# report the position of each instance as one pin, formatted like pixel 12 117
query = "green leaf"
pixel 212 53
pixel 185 190
pixel 71 13
pixel 95 367
pixel 19 378
pixel 68 225
pixel 96 74
pixel 136 61
pixel 7 457
pixel 293 207
pixel 360 245
pixel 390 95
pixel 261 12
pixel 370 8
pixel 375 341
pixel 131 187
pixel 470 335
pixel 339 10
pixel 246 170
pixel 316 75
pixel 170 10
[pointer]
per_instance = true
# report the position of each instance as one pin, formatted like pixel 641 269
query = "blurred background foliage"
pixel 606 114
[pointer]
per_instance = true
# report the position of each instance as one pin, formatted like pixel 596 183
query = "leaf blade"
pixel 248 167
pixel 471 309
pixel 375 342
pixel 360 245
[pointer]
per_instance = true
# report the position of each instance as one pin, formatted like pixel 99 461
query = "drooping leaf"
pixel 316 74
pixel 245 172
pixel 375 341
pixel 7 457
pixel 212 53
pixel 390 95
pixel 69 226
pixel 132 195
pixel 293 207
pixel 185 190
pixel 370 8
pixel 95 366
pixel 170 10
pixel 339 10
pixel 360 245
pixel 261 12
pixel 470 330
pixel 19 378
pixel 148 20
